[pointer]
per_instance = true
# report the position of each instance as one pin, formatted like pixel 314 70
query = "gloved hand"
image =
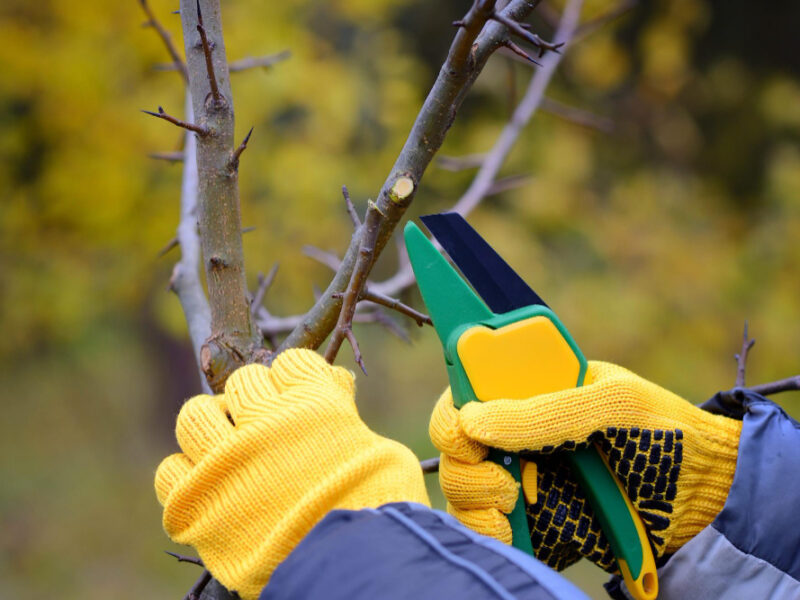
pixel 263 463
pixel 675 460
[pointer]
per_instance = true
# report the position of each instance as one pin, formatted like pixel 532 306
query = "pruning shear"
pixel 507 343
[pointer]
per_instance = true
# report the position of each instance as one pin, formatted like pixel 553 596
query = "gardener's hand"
pixel 675 460
pixel 264 462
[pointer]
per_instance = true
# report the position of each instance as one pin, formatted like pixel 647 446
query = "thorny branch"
pixel 186 559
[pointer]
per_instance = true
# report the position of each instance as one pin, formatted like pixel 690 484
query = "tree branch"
pixel 378 298
pixel 474 42
pixel 188 559
pixel 235 339
pixel 351 210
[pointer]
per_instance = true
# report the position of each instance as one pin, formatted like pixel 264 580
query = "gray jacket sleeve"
pixel 752 549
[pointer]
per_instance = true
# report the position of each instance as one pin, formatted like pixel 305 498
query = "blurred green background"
pixel 653 241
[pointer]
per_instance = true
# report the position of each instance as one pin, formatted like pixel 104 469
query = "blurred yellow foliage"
pixel 653 242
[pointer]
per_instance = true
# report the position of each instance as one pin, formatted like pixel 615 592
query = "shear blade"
pixel 492 277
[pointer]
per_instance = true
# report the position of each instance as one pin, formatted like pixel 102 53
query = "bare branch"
pixel 198 129
pixel 172 157
pixel 264 62
pixel 351 210
pixel 384 320
pixel 388 302
pixel 212 78
pixel 577 116
pixel 505 184
pixel 351 337
pixel 187 559
pixel 233 164
pixel 177 61
pixel 741 357
pixel 474 42
pixel 264 284
pixel 329 259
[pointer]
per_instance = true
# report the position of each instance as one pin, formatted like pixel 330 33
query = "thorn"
pixel 233 163
pixel 182 558
pixel 459 23
pixel 198 129
pixel 171 157
pixel 520 52
pixel 173 243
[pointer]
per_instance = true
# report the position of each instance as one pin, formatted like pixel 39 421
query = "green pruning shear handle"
pixel 507 343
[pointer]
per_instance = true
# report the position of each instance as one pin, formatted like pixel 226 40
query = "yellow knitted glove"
pixel 675 460
pixel 264 463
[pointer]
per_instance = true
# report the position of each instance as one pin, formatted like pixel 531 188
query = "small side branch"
pixel 741 357
pixel 172 157
pixel 166 38
pixel 198 129
pixel 212 78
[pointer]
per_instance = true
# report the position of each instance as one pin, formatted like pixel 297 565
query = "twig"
pixel 577 116
pixel 384 320
pixel 198 129
pixel 153 22
pixel 264 284
pixel 233 164
pixel 212 78
pixel 505 184
pixel 430 465
pixel 264 62
pixel 198 587
pixel 775 387
pixel 475 40
pixel 534 39
pixel 187 559
pixel 351 210
pixel 741 357
pixel 403 309
pixel 351 337
pixel 172 157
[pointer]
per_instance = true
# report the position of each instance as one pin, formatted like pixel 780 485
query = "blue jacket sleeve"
pixel 408 551
pixel 752 549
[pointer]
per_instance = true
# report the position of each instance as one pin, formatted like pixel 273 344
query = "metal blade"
pixel 496 282
pixel 450 301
